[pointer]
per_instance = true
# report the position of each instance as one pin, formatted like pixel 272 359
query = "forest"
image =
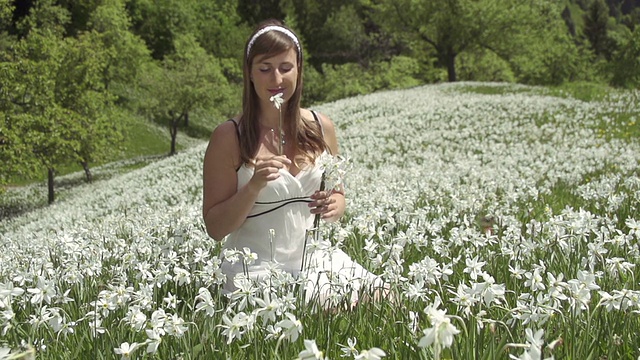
pixel 76 76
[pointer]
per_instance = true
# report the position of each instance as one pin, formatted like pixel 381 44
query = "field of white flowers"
pixel 505 219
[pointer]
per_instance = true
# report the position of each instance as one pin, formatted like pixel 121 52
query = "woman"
pixel 261 181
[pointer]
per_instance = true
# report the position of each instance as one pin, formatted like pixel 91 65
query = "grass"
pixel 142 139
pixel 145 142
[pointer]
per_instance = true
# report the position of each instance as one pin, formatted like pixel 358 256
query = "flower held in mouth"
pixel 277 100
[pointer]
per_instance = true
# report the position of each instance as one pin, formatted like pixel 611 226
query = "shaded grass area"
pixel 142 139
pixel 144 143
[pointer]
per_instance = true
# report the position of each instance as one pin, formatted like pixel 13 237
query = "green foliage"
pixel 80 12
pixel 56 102
pixel 350 79
pixel 214 24
pixel 452 28
pixel 337 32
pixel 158 22
pixel 544 54
pixel 483 65
pixel 252 12
pixel 81 88
pixel 183 82
pixel 38 116
pixel 6 10
pixel 219 31
pixel 125 52
pixel 45 16
pixel 625 67
pixel 596 28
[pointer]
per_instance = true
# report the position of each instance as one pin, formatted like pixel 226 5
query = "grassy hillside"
pixel 505 219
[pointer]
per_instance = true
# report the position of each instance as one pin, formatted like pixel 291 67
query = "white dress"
pixel 281 212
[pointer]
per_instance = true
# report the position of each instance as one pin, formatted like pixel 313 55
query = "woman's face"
pixel 277 74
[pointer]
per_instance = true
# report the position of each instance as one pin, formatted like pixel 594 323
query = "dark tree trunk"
pixel 186 119
pixel 87 171
pixel 451 67
pixel 173 129
pixel 174 133
pixel 50 176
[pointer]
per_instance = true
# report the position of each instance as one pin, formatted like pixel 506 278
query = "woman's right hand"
pixel 267 169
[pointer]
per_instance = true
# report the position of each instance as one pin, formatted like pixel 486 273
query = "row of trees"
pixel 72 72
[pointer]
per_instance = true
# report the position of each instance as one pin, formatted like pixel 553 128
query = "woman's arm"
pixel 330 204
pixel 224 206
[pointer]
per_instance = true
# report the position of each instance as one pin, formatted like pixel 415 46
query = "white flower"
pixel 350 349
pixel 335 169
pixel 95 324
pixel 175 326
pixel 291 326
pixel 157 321
pixel 442 331
pixel 234 329
pixel 4 353
pixel 371 354
pixel 534 280
pixel 273 332
pixel 231 255
pixel 153 341
pixel 182 276
pixel 277 100
pixel 533 347
pixel 311 351
pixel 171 300
pixel 249 256
pixel 474 267
pixel 205 302
pixel 270 306
pixel 8 290
pixel 126 349
pixel 244 295
pixel 45 291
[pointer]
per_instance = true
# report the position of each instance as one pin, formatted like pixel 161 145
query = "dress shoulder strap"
pixel 317 118
pixel 237 134
pixel 236 126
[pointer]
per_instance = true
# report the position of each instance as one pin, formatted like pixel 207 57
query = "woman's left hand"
pixel 324 204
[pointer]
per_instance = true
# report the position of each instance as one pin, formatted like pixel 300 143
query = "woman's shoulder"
pixel 224 138
pixel 308 114
pixel 325 121
pixel 225 129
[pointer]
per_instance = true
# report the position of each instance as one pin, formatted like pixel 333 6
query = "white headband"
pixel 276 28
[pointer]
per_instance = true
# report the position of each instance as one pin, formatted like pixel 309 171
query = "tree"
pixel 447 27
pixel 596 29
pixel 44 124
pixel 15 158
pixel 625 62
pixel 254 11
pixel 159 22
pixel 540 49
pixel 56 102
pixel 185 81
pixel 81 90
pixel 6 12
pixel 37 127
pixel 126 52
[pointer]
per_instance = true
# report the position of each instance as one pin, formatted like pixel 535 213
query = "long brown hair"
pixel 309 141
